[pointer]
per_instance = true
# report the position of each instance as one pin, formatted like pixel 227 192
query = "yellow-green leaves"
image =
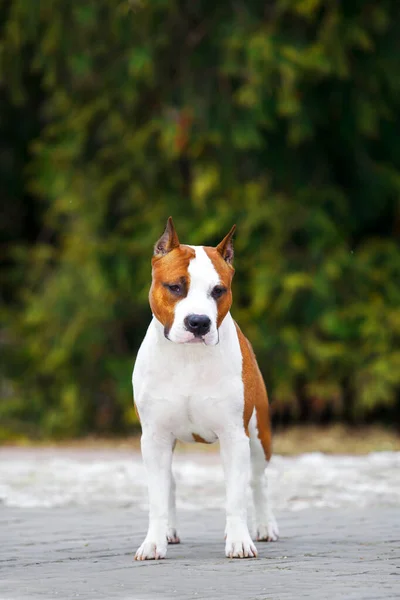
pixel 281 117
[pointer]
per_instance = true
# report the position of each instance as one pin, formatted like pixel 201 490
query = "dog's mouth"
pixel 197 340
pixel 193 340
pixel 206 340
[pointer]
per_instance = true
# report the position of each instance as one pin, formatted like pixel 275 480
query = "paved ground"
pixel 88 554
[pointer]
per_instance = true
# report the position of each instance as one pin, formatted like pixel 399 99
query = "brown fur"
pixel 170 268
pixel 137 412
pixel 168 241
pixel 226 273
pixel 255 394
pixel 198 438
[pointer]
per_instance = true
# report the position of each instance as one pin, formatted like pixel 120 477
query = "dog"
pixel 196 379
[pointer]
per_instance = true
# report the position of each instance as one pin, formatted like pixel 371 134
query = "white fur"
pixel 203 277
pixel 266 527
pixel 184 389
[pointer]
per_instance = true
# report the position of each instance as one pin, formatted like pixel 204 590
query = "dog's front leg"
pixel 235 453
pixel 157 458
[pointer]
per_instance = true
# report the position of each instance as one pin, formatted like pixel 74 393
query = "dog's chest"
pixel 191 402
pixel 191 392
pixel 193 419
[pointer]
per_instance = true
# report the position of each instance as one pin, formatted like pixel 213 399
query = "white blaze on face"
pixel 203 278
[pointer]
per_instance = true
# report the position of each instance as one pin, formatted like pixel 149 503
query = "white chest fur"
pixel 187 389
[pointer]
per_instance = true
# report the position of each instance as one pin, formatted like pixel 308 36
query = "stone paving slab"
pixel 323 554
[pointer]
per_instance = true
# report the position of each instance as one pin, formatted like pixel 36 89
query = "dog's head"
pixel 191 287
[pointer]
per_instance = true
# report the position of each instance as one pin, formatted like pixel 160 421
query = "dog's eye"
pixel 217 291
pixel 175 289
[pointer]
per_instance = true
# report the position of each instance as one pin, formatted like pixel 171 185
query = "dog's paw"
pixel 268 532
pixel 238 543
pixel 152 550
pixel 172 536
pixel 244 548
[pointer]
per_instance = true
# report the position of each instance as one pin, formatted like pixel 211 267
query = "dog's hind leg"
pixel 172 535
pixel 266 525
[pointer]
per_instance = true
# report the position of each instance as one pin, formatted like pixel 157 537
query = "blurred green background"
pixel 281 116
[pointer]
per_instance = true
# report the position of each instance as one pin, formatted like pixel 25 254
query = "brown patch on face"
pixel 172 268
pixel 255 394
pixel 198 438
pixel 225 272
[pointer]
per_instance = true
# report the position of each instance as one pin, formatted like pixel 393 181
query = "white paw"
pixel 172 536
pixel 240 548
pixel 268 532
pixel 152 550
pixel 238 543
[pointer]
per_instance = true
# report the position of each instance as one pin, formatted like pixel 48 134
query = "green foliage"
pixel 280 116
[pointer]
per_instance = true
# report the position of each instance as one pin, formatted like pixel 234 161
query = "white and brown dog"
pixel 196 379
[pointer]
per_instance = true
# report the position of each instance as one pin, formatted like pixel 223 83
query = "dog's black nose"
pixel 198 324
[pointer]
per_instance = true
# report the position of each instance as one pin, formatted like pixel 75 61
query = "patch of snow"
pixel 59 477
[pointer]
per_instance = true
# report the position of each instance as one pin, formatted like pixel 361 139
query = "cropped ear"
pixel 225 248
pixel 168 241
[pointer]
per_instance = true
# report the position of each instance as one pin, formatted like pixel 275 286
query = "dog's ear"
pixel 225 248
pixel 168 241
